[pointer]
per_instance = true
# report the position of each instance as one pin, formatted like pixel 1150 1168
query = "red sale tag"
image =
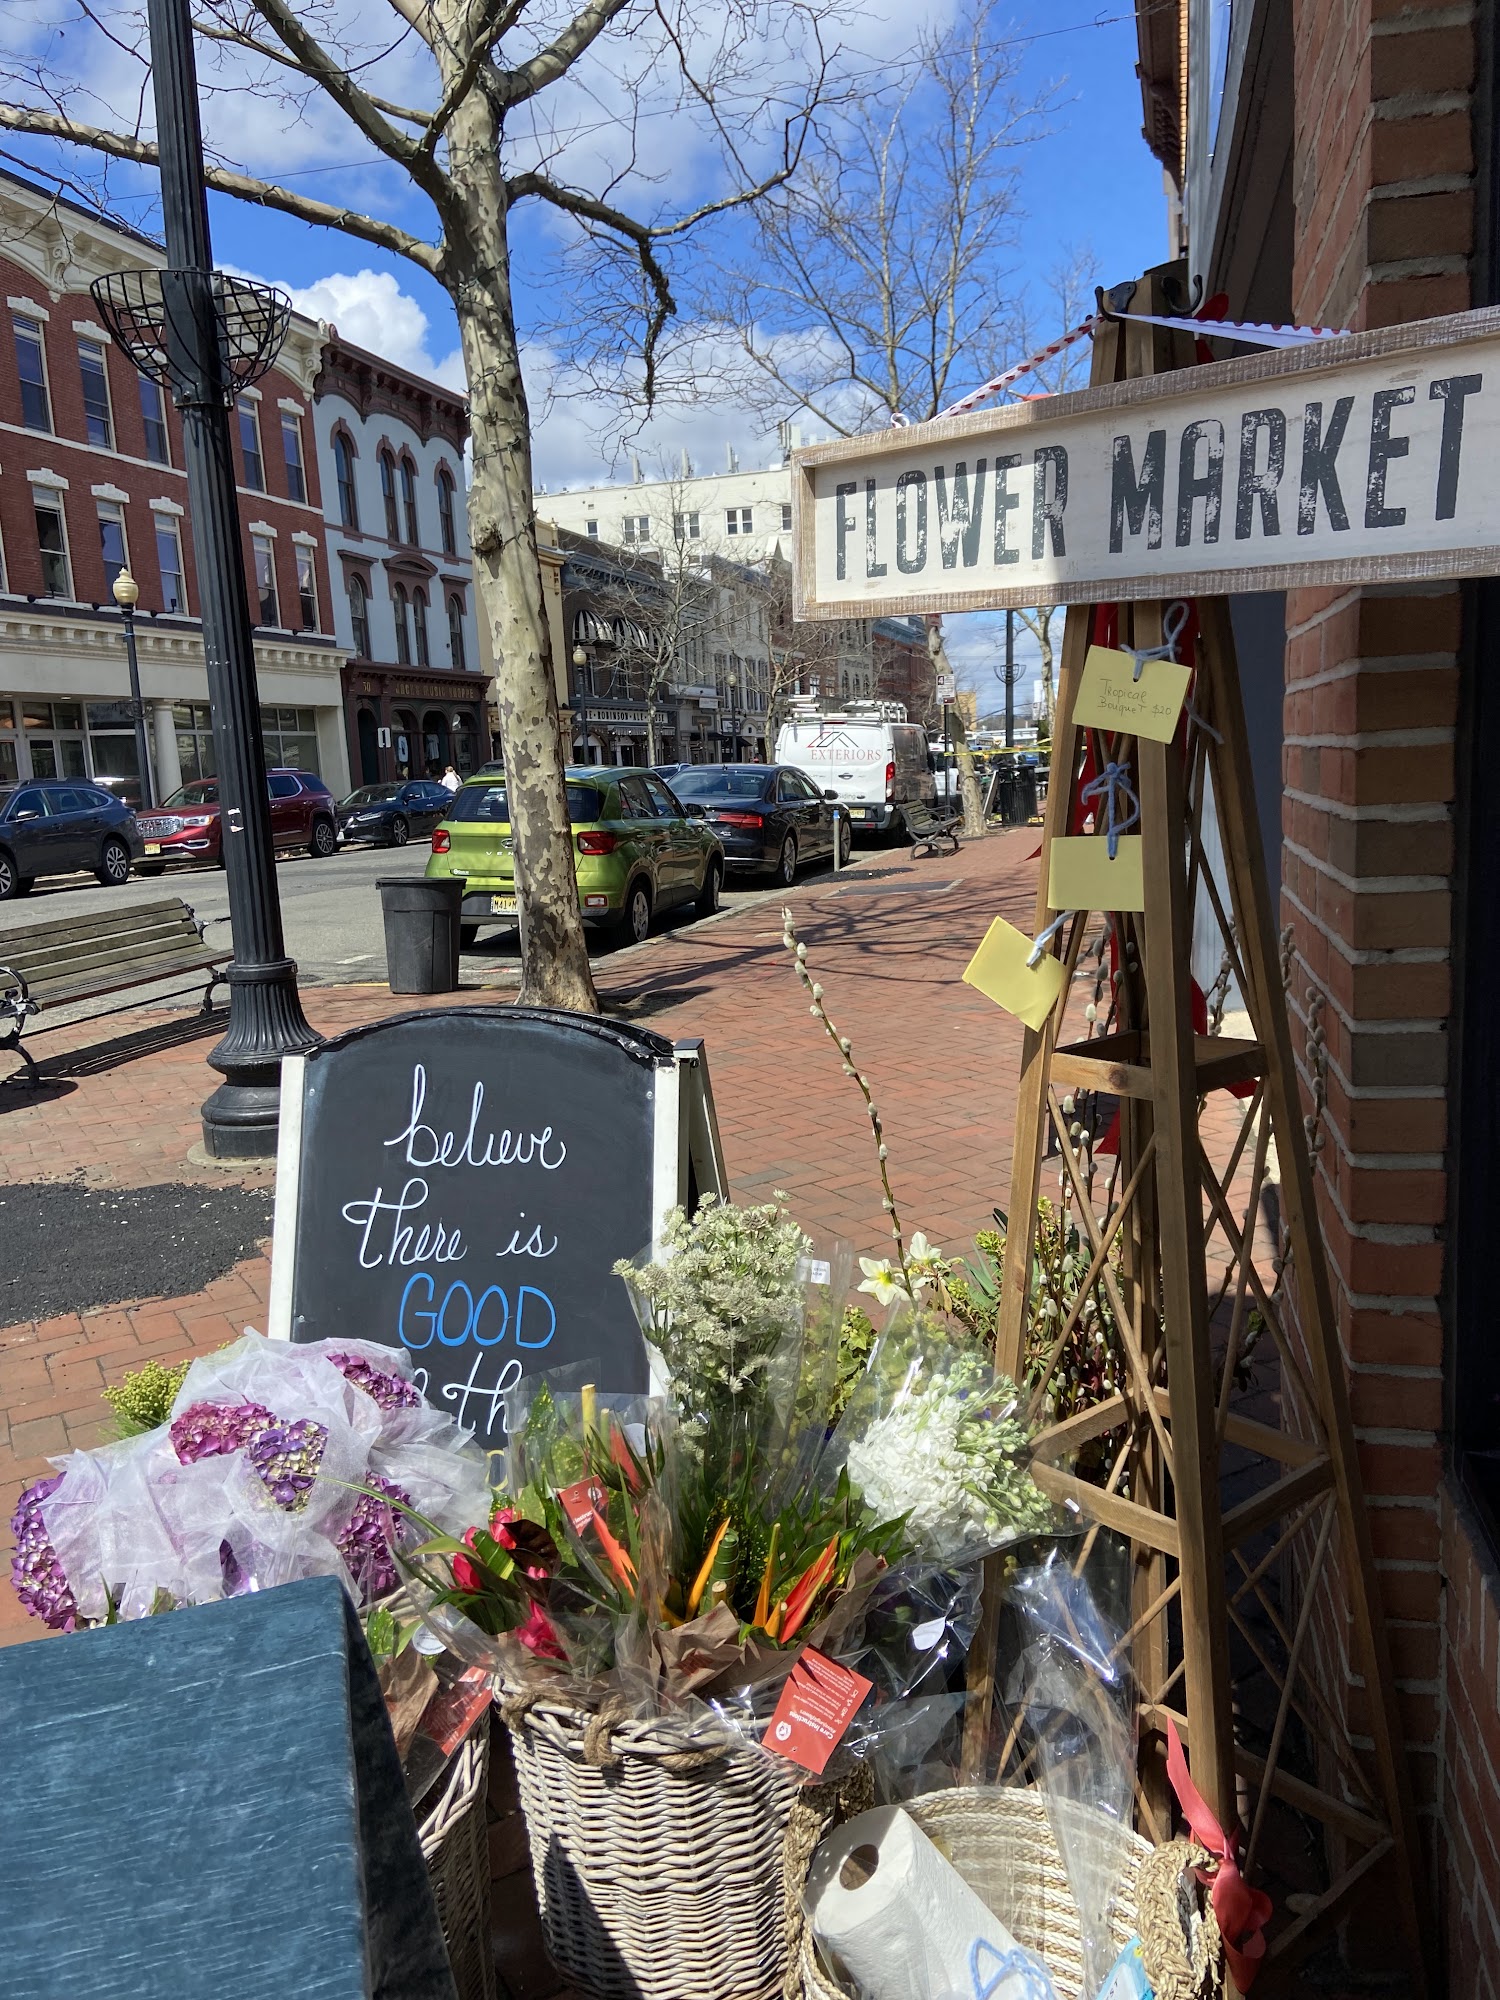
pixel 579 1501
pixel 453 1711
pixel 815 1709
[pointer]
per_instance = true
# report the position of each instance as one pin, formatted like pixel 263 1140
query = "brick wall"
pixel 1384 194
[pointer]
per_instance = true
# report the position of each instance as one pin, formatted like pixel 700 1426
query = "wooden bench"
pixel 88 957
pixel 931 831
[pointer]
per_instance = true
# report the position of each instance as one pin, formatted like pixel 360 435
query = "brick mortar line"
pixel 1415 21
pixel 1373 739
pixel 1374 885
pixel 1397 813
pixel 1406 1024
pixel 1397 954
pixel 1386 663
pixel 1409 106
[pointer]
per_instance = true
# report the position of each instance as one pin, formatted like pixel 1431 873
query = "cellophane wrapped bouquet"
pixel 684 1548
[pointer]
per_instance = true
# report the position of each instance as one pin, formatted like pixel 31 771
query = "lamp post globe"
pixel 126 593
pixel 580 661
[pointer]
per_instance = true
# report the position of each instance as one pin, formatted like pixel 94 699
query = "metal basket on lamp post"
pixel 252 322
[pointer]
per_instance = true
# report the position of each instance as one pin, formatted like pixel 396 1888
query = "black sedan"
pixel 770 818
pixel 53 827
pixel 388 815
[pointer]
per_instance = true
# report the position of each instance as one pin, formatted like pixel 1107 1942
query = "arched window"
pixel 359 614
pixel 403 626
pixel 343 463
pixel 409 501
pixel 445 511
pixel 419 614
pixel 845 687
pixel 456 631
pixel 388 495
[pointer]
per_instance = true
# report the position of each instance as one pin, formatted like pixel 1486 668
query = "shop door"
pixel 369 748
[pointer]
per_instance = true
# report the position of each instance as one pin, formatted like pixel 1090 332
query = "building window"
pixel 291 447
pixel 388 495
pixel 195 740
pixel 593 530
pixel 359 614
pixel 112 540
pixel 52 542
pixel 290 736
pixel 31 365
pixel 154 417
pixel 456 631
pixel 684 527
pixel 737 520
pixel 403 625
pixel 343 466
pixel 445 512
pixel 249 419
pixel 169 563
pixel 637 527
pixel 98 424
pixel 409 502
pixel 419 619
pixel 786 516
pixel 307 587
pixel 268 608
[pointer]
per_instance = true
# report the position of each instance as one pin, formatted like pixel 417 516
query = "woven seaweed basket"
pixel 455 1845
pixel 658 1858
pixel 1002 1843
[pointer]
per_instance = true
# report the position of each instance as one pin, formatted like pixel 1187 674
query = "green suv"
pixel 637 850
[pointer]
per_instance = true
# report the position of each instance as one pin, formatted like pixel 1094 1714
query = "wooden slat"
pixel 151 974
pixel 52 960
pixel 1295 1792
pixel 1142 1524
pixel 127 918
pixel 44 981
pixel 1273 1501
pixel 1121 1064
pixel 1262 1438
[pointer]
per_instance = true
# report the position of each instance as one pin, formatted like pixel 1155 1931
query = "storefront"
pixel 402 725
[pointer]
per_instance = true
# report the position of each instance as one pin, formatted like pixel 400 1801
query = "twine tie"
pixel 1112 784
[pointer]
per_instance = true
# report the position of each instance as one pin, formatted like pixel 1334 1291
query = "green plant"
pixel 144 1397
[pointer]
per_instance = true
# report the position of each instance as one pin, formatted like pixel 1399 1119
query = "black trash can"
pixel 1025 795
pixel 422 920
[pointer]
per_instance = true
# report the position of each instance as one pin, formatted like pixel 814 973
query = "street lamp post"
pixel 126 592
pixel 580 662
pixel 734 720
pixel 207 335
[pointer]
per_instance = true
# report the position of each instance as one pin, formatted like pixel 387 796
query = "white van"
pixel 868 755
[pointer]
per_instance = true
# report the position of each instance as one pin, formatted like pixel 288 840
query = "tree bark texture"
pixel 555 968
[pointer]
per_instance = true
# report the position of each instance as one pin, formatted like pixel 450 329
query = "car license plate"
pixel 502 906
pixel 859 812
pixel 153 847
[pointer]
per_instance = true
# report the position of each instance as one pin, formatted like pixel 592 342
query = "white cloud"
pixel 370 309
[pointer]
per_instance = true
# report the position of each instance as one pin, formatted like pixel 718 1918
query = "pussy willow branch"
pixel 841 1042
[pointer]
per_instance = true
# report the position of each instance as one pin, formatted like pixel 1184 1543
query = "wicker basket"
pixel 658 1861
pixel 1002 1843
pixel 456 1848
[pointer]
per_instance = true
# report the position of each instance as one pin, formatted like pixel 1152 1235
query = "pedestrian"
pixel 451 781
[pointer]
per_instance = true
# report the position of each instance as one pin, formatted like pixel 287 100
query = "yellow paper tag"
pixel 999 970
pixel 1110 697
pixel 1081 875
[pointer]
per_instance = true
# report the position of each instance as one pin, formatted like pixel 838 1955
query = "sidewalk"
pixel 888 940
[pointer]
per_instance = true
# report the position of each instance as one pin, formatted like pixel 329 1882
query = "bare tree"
pixel 479 141
pixel 878 276
pixel 1038 623
pixel 968 777
pixel 660 595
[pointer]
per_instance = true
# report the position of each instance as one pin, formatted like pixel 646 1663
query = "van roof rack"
pixel 807 710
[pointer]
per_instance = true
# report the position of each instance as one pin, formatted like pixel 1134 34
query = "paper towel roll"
pixel 904 1923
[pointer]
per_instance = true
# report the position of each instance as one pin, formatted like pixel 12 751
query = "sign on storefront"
pixel 1370 457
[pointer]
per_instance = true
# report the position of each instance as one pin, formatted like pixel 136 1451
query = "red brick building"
pixel 91 480
pixel 1336 162
pixel 904 669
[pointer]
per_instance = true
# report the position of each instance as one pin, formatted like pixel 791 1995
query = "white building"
pixel 746 516
pixel 390 451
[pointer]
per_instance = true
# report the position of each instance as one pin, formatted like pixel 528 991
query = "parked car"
pixel 388 815
pixel 869 755
pixel 637 850
pixel 186 827
pixel 770 818
pixel 54 826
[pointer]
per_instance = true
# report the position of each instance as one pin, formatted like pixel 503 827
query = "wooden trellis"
pixel 1271 1580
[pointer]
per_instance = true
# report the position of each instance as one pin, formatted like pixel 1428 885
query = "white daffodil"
pixel 882 1278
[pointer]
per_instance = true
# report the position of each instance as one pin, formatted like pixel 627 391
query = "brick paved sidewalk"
pixel 889 940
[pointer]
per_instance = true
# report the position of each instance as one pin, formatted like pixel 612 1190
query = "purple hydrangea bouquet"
pixel 276 1462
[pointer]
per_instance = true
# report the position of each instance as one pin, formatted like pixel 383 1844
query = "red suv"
pixel 186 827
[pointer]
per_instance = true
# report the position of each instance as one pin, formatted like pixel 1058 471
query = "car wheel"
pixel 400 832
pixel 468 935
pixel 708 895
pixel 10 881
pixel 114 865
pixel 635 919
pixel 786 864
pixel 150 867
pixel 324 840
pixel 846 842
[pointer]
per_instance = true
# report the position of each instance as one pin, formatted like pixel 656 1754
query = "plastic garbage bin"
pixel 421 933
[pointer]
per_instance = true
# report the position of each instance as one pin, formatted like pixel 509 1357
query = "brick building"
pixel 91 481
pixel 390 449
pixel 1335 162
pixel 904 669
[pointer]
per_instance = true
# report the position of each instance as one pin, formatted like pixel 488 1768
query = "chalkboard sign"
pixel 460 1182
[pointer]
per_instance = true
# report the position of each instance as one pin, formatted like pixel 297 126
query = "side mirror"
pixel 693 810
pixel 832 795
pixel 26 812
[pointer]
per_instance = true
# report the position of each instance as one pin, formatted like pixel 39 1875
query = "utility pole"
pixel 1010 680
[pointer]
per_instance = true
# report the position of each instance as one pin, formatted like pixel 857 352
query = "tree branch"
pixel 483 39
pixel 264 194
pixel 548 64
pixel 214 31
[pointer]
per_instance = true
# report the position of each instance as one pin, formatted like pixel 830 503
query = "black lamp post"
pixel 126 593
pixel 206 335
pixel 734 721
pixel 580 666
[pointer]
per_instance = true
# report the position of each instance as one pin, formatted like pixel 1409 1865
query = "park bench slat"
pixel 87 989
pixel 63 951
pixel 931 830
pixel 132 965
pixel 103 923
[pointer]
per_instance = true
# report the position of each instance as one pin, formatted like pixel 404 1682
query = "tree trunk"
pixel 1044 638
pixel 508 581
pixel 968 777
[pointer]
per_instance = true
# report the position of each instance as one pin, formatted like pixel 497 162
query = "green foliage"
pixel 856 1340
pixel 144 1398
